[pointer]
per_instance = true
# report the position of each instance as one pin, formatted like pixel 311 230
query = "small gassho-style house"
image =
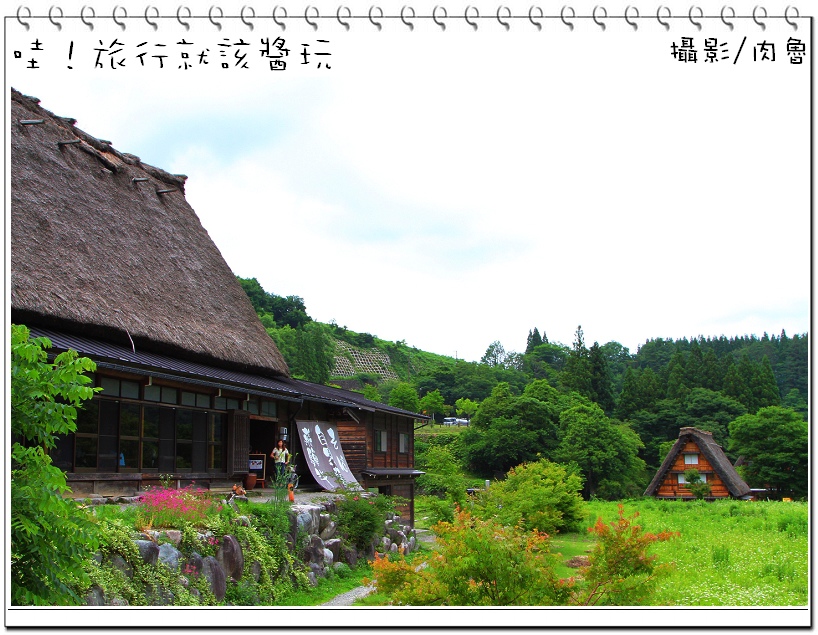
pixel 696 449
pixel 108 259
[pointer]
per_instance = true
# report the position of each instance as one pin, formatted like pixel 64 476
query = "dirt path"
pixel 346 599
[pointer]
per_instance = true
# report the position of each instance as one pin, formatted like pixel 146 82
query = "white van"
pixel 449 421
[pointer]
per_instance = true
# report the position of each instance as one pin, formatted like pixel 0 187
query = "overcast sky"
pixel 452 189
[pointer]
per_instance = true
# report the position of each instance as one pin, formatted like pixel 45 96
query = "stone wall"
pixel 313 536
pixel 324 548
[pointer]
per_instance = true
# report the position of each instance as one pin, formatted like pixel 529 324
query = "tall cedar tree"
pixel 601 388
pixel 577 373
pixel 534 340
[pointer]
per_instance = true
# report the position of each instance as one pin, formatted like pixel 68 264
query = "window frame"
pixel 381 441
pixel 110 401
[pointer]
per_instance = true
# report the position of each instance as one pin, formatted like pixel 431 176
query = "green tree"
pixel 577 373
pixel 712 411
pixel 533 341
pixel 600 449
pixel 432 403
pixel 51 537
pixel 735 386
pixel 495 405
pixel 694 483
pixel 404 396
pixel 601 388
pixel 764 386
pixel 618 358
pixel 465 407
pixel 500 444
pixel 641 390
pixel 275 310
pixel 444 473
pixel 677 388
pixel 371 392
pixel 495 355
pixel 775 444
pixel 711 375
pixel 540 495
pixel 794 400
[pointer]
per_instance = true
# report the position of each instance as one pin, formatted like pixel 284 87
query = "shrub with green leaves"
pixel 50 536
pixel 444 473
pixel 360 517
pixel 541 495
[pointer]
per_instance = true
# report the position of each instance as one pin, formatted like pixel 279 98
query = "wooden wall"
pixel 670 486
pixel 358 440
pixel 353 438
pixel 394 426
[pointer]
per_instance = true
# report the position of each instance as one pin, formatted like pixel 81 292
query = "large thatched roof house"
pixel 108 258
pixel 696 449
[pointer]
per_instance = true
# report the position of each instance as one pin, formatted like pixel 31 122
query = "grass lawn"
pixel 328 587
pixel 569 546
pixel 729 553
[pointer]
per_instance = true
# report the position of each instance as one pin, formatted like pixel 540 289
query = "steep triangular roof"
pixel 712 452
pixel 106 246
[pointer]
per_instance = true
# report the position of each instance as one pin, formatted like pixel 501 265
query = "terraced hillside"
pixel 386 360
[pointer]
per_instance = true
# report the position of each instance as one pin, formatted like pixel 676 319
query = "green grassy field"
pixel 729 553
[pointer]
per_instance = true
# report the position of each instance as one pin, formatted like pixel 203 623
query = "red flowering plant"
pixel 169 507
pixel 620 570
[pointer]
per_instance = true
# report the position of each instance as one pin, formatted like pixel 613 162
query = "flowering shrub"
pixel 480 562
pixel 620 571
pixel 163 507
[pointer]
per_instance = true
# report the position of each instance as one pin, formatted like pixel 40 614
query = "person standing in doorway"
pixel 281 456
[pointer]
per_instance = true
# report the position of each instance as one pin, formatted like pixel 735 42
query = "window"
pixel 123 436
pixel 195 399
pixel 165 394
pixel 268 409
pixel 380 440
pixel 112 387
pixel 215 442
pixel 223 403
pixel 87 436
pixel 129 418
pixel 681 479
pixel 403 443
pixel 691 459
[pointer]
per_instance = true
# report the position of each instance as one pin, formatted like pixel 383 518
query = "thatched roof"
pixel 714 454
pixel 106 246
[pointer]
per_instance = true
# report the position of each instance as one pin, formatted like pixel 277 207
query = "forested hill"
pixel 665 385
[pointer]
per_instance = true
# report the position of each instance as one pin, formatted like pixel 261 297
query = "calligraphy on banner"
pixel 325 456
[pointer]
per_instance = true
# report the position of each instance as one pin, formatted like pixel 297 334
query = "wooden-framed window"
pixel 163 394
pixel 680 478
pixel 691 459
pixel 195 399
pixel 216 430
pixel 117 433
pixel 380 441
pixel 226 403
pixel 269 408
pixel 403 443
